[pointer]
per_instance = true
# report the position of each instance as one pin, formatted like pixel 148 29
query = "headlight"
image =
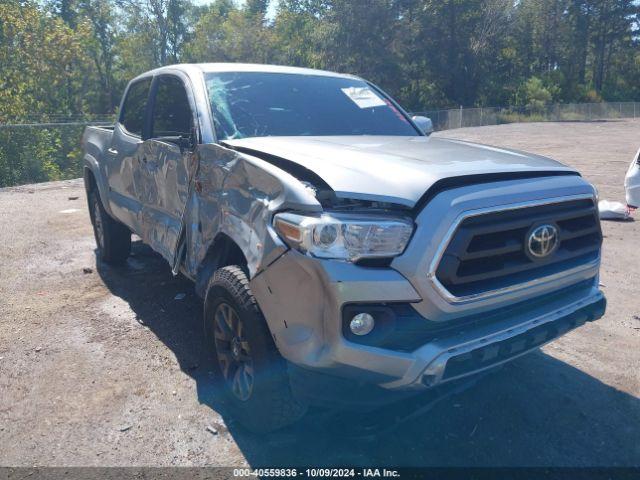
pixel 344 236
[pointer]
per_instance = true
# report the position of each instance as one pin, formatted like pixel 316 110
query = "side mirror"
pixel 185 142
pixel 424 124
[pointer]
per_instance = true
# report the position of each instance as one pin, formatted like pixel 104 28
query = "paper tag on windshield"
pixel 363 97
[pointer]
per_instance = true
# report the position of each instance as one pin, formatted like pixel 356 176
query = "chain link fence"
pixel 477 117
pixel 44 147
pixel 58 121
pixel 47 147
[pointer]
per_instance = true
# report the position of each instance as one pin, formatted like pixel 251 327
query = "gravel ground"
pixel 101 366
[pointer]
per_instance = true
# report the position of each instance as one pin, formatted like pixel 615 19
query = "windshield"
pixel 252 104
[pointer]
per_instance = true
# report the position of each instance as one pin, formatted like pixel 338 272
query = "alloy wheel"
pixel 97 224
pixel 233 351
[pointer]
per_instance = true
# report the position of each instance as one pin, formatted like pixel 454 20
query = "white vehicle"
pixel 632 183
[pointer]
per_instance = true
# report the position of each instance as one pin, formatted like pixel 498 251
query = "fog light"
pixel 361 324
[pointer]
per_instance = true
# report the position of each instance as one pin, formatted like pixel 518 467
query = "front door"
pixel 168 162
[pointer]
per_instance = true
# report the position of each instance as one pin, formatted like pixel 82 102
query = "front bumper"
pixel 472 352
pixel 303 299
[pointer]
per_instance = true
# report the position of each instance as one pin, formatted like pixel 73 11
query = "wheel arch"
pixel 93 181
pixel 222 252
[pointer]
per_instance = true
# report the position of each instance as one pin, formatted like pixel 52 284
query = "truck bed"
pixel 97 139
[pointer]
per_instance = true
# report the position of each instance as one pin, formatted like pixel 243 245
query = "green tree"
pixel 256 8
pixel 225 33
pixel 76 56
pixel 535 95
pixel 101 48
pixel 361 37
pixel 51 75
pixel 158 29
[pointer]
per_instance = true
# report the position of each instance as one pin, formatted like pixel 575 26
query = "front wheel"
pixel 254 375
pixel 113 239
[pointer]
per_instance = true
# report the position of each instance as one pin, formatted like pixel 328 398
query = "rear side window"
pixel 171 111
pixel 133 109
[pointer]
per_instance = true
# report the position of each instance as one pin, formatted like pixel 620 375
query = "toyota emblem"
pixel 542 241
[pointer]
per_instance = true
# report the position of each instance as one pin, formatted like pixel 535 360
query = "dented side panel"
pixel 166 173
pixel 237 195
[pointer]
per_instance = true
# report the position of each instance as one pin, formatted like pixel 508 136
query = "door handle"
pixel 112 151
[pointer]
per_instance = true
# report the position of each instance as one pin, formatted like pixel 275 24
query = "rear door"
pixel 168 161
pixel 122 159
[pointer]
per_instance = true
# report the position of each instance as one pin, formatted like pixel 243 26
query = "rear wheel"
pixel 252 372
pixel 113 239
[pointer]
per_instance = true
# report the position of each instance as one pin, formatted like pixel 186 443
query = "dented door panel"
pixel 166 185
pixel 121 163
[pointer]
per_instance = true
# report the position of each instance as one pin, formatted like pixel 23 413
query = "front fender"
pixel 238 196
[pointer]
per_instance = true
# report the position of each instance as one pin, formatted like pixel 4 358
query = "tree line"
pixel 66 57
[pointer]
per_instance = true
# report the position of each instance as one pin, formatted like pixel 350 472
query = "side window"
pixel 133 109
pixel 171 111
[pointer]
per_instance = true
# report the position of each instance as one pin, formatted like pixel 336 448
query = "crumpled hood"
pixel 391 168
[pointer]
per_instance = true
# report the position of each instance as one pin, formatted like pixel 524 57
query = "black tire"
pixel 113 239
pixel 269 404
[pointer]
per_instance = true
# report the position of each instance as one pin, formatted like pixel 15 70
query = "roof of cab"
pixel 243 67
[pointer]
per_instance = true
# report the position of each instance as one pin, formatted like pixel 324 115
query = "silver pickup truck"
pixel 344 255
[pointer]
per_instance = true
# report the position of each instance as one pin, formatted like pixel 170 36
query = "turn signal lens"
pixel 288 230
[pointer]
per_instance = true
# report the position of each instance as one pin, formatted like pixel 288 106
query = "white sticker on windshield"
pixel 363 97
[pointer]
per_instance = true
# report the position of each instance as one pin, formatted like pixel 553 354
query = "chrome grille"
pixel 488 252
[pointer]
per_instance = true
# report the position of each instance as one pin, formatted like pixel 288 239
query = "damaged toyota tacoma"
pixel 344 255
